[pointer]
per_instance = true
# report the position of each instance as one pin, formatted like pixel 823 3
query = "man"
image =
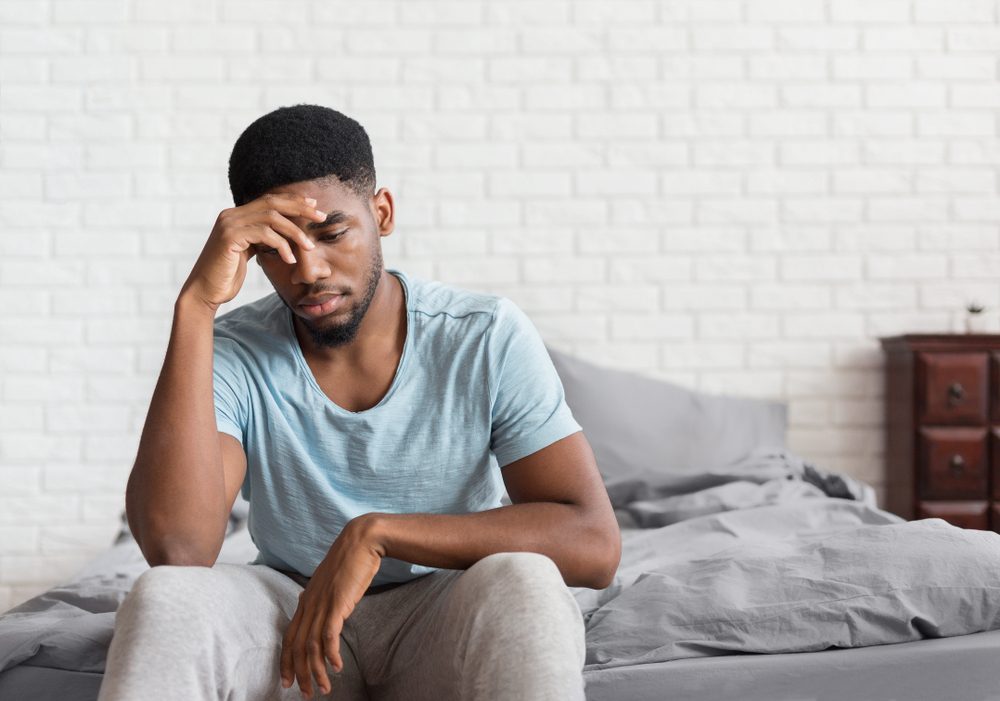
pixel 372 420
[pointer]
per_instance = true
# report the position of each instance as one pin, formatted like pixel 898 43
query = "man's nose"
pixel 309 266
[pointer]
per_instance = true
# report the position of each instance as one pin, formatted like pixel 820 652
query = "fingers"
pixel 331 641
pixel 265 221
pixel 288 645
pixel 263 241
pixel 281 224
pixel 314 650
pixel 269 238
pixel 300 657
pixel 312 639
pixel 279 207
pixel 291 205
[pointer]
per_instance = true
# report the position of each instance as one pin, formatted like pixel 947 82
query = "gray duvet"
pixel 766 561
pixel 767 556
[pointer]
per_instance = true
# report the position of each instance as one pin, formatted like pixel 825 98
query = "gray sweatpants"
pixel 506 628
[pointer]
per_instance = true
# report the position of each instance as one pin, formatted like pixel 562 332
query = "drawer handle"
pixel 956 392
pixel 956 466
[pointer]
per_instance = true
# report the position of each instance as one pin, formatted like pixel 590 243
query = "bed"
pixel 747 572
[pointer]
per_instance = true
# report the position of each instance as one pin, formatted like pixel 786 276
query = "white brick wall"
pixel 737 195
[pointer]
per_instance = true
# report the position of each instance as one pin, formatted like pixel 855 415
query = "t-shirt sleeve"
pixel 230 389
pixel 529 410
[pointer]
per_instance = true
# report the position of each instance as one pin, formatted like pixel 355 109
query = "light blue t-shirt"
pixel 475 390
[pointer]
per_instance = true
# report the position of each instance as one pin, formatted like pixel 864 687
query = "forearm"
pixel 586 554
pixel 175 498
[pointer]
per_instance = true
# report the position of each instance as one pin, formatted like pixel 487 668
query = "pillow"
pixel 649 434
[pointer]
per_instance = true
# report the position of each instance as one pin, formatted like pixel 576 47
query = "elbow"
pixel 177 558
pixel 606 574
pixel 181 557
pixel 162 544
pixel 171 551
pixel 605 559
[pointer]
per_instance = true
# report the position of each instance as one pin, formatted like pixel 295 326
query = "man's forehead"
pixel 327 184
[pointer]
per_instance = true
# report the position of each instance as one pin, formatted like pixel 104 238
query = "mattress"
pixel 961 668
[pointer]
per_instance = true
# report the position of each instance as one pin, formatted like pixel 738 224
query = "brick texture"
pixel 740 195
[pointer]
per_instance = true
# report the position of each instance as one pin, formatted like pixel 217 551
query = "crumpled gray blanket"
pixel 771 477
pixel 775 555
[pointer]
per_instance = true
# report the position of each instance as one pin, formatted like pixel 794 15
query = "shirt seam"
pixel 491 391
pixel 453 316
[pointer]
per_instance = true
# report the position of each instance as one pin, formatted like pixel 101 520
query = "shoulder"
pixel 251 311
pixel 254 324
pixel 432 298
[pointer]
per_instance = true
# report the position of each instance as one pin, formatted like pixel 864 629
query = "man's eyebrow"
pixel 331 219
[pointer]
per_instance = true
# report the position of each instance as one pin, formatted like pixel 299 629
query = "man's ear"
pixel 383 210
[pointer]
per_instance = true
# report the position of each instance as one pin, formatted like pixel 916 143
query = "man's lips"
pixel 318 306
pixel 317 299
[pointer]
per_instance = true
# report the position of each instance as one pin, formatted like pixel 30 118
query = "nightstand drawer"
pixel 953 388
pixel 995 465
pixel 995 387
pixel 953 463
pixel 964 514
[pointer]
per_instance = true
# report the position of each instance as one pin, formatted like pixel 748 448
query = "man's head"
pixel 317 152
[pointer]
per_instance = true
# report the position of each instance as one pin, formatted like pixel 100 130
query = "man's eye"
pixel 328 237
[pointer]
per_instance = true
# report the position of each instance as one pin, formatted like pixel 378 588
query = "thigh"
pixel 214 632
pixel 506 628
pixel 242 605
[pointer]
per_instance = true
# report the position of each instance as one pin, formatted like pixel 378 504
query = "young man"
pixel 372 420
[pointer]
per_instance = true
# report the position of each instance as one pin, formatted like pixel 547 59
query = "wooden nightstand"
pixel 943 427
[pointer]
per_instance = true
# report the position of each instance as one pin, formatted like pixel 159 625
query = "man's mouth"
pixel 325 306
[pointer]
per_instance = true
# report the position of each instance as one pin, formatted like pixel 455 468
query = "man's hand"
pixel 337 585
pixel 219 272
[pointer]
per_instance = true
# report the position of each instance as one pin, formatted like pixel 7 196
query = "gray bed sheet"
pixel 962 668
pixel 646 633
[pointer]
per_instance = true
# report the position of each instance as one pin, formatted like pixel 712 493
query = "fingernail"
pixel 320 214
pixel 311 200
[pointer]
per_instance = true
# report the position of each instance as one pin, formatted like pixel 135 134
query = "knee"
pixel 167 581
pixel 523 595
pixel 517 568
pixel 169 588
pixel 520 580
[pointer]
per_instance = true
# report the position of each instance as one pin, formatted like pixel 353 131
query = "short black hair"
pixel 301 142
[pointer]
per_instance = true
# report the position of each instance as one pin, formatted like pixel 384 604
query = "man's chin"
pixel 329 334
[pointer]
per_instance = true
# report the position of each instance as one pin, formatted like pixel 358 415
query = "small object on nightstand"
pixel 975 320
pixel 942 451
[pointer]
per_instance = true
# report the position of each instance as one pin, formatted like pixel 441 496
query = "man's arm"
pixel 176 498
pixel 559 508
pixel 186 473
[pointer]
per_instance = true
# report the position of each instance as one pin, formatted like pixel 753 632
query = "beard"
pixel 331 334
